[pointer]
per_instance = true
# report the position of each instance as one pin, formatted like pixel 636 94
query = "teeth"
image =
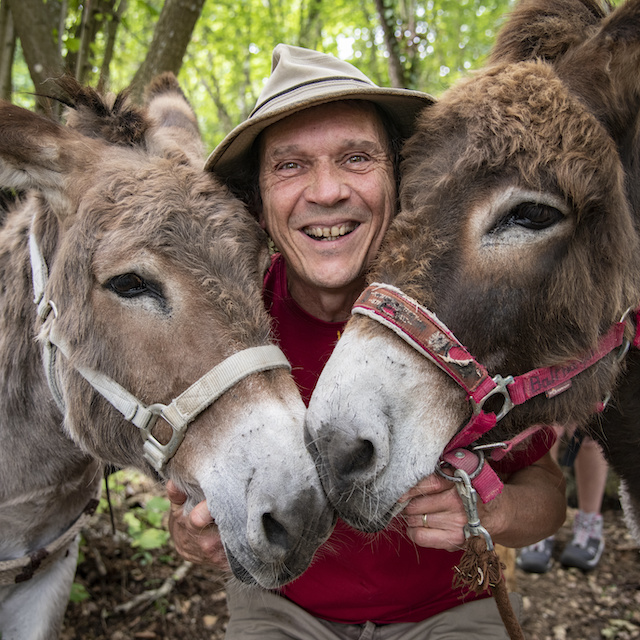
pixel 328 233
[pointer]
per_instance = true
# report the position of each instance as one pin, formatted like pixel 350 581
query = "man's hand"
pixel 435 515
pixel 531 507
pixel 195 536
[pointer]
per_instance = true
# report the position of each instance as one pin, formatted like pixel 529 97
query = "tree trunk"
pixel 85 31
pixel 387 22
pixel 111 31
pixel 310 25
pixel 7 50
pixel 33 20
pixel 170 40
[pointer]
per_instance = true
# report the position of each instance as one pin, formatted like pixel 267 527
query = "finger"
pixel 443 520
pixel 206 548
pixel 198 544
pixel 174 494
pixel 449 539
pixel 433 483
pixel 444 501
pixel 200 516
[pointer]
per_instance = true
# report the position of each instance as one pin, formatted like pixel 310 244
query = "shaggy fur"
pixel 518 228
pixel 156 274
pixel 556 111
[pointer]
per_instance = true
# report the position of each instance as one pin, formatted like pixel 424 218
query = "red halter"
pixel 420 328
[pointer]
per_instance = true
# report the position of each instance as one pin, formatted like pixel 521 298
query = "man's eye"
pixel 284 166
pixel 357 158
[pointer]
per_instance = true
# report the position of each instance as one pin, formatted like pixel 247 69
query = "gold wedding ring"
pixel 424 520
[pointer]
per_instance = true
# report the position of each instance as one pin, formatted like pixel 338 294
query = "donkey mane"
pixel 547 29
pixel 110 117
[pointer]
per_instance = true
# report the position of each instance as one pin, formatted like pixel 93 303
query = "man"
pixel 321 145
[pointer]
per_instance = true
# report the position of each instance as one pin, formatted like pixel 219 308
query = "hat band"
pixel 335 79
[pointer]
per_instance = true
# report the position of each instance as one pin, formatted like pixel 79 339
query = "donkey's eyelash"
pixel 131 285
pixel 530 215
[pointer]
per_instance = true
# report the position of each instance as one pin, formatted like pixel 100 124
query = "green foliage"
pixel 78 593
pixel 144 526
pixel 229 56
pixel 145 522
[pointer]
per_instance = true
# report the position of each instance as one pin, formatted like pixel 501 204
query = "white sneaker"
pixel 586 548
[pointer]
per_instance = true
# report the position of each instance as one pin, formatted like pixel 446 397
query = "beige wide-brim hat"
pixel 302 78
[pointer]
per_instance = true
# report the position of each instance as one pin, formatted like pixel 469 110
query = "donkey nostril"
pixel 275 533
pixel 358 458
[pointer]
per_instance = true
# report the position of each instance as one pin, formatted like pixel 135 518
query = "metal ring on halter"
pixel 500 389
pixel 474 474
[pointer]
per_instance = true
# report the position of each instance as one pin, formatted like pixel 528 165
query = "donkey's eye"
pixel 532 215
pixel 130 285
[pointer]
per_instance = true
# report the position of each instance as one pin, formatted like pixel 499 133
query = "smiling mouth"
pixel 331 233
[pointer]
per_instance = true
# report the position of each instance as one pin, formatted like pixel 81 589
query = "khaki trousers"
pixel 261 615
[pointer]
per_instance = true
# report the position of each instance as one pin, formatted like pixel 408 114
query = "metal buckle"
pixel 472 476
pixel 469 497
pixel 156 453
pixel 500 388
pixel 150 415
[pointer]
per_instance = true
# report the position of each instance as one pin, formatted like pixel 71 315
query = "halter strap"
pixel 421 328
pixel 24 568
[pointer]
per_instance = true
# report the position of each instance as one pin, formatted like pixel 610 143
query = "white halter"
pixel 180 412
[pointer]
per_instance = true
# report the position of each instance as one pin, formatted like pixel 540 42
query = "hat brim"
pixel 402 105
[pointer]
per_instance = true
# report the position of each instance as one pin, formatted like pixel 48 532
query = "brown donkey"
pixel 147 280
pixel 518 231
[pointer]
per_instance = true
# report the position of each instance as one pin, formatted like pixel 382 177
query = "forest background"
pixel 221 49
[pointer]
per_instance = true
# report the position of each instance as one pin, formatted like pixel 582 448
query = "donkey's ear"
pixel 174 126
pixel 546 29
pixel 605 71
pixel 36 153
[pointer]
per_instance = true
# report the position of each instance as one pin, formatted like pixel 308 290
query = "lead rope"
pixel 480 568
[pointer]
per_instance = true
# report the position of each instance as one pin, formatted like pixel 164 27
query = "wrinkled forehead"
pixel 360 119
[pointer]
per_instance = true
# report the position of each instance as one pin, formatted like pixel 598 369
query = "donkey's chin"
pixel 238 570
pixel 269 576
pixel 349 509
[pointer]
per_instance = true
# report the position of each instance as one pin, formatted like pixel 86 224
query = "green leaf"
pixel 79 593
pixel 133 524
pixel 151 539
pixel 72 44
pixel 158 504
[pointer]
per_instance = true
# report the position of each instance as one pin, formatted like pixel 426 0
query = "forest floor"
pixel 125 593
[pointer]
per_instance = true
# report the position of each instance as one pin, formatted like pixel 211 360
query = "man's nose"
pixel 327 186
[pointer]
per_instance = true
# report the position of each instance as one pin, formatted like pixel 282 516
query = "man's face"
pixel 328 193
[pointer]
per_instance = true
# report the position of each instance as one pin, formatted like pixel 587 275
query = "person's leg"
pixel 254 613
pixel 479 620
pixel 262 615
pixel 591 470
pixel 536 558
